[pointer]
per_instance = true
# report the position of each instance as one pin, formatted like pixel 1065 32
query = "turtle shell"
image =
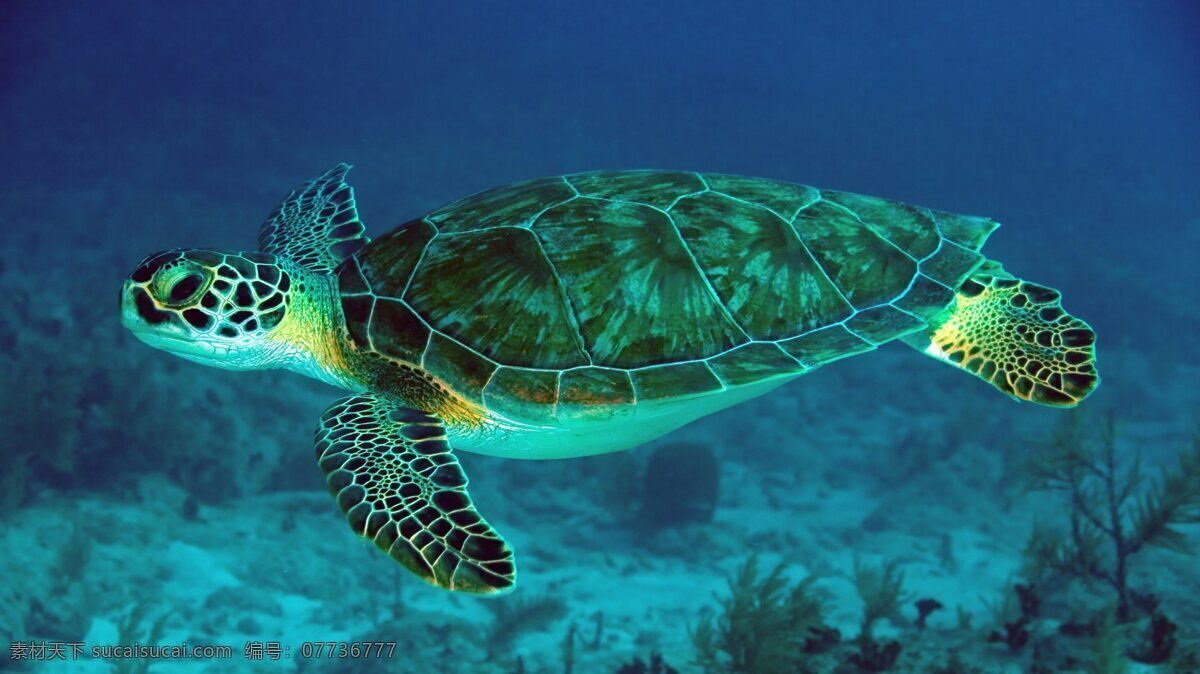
pixel 616 288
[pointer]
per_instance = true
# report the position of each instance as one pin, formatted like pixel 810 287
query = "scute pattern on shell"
pixel 609 288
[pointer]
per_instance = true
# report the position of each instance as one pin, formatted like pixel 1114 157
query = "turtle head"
pixel 211 307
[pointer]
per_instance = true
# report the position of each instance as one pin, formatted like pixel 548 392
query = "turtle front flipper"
pixel 317 225
pixel 1015 335
pixel 394 477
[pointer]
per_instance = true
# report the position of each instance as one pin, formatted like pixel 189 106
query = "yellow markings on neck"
pixel 309 335
pixel 412 385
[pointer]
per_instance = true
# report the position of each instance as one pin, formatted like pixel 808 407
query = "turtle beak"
pixel 141 316
pixel 163 329
pixel 138 311
pixel 127 306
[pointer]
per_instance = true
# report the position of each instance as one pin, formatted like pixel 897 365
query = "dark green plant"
pixel 598 632
pixel 881 589
pixel 762 625
pixel 1187 661
pixel 130 631
pixel 1108 651
pixel 1015 617
pixel 656 665
pixel 965 619
pixel 874 657
pixel 1158 642
pixel 955 665
pixel 1114 511
pixel 72 560
pixel 513 616
pixel 568 650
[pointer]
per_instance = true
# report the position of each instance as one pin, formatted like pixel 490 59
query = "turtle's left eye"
pixel 186 288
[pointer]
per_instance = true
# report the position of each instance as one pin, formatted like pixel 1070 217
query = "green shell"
pixel 614 288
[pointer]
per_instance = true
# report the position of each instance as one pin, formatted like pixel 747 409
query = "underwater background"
pixel 882 514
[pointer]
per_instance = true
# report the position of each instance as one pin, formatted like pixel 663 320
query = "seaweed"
pixel 965 619
pixel 568 650
pixel 875 657
pixel 1015 636
pixel 15 605
pixel 511 617
pixel 1107 648
pixel 131 631
pixel 881 589
pixel 1016 632
pixel 67 615
pixel 821 639
pixel 1159 641
pixel 955 665
pixel 656 665
pixel 1111 505
pixel 761 627
pixel 598 634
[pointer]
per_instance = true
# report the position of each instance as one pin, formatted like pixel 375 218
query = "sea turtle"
pixel 582 314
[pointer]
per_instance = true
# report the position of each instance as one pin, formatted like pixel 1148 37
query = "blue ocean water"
pixel 151 500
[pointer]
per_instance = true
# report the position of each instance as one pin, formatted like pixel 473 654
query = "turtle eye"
pixel 186 288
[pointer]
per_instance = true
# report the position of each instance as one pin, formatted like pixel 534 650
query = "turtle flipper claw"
pixel 394 477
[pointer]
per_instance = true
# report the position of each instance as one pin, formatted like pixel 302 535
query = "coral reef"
pixel 762 625
pixel 1113 514
pixel 881 589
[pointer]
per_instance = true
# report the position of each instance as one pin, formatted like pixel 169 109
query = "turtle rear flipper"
pixel 1016 336
pixel 397 482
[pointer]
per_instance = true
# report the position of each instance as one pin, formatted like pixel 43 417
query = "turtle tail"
pixel 1015 335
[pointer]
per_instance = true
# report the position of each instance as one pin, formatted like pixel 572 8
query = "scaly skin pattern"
pixel 396 480
pixel 313 335
pixel 219 308
pixel 1015 335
